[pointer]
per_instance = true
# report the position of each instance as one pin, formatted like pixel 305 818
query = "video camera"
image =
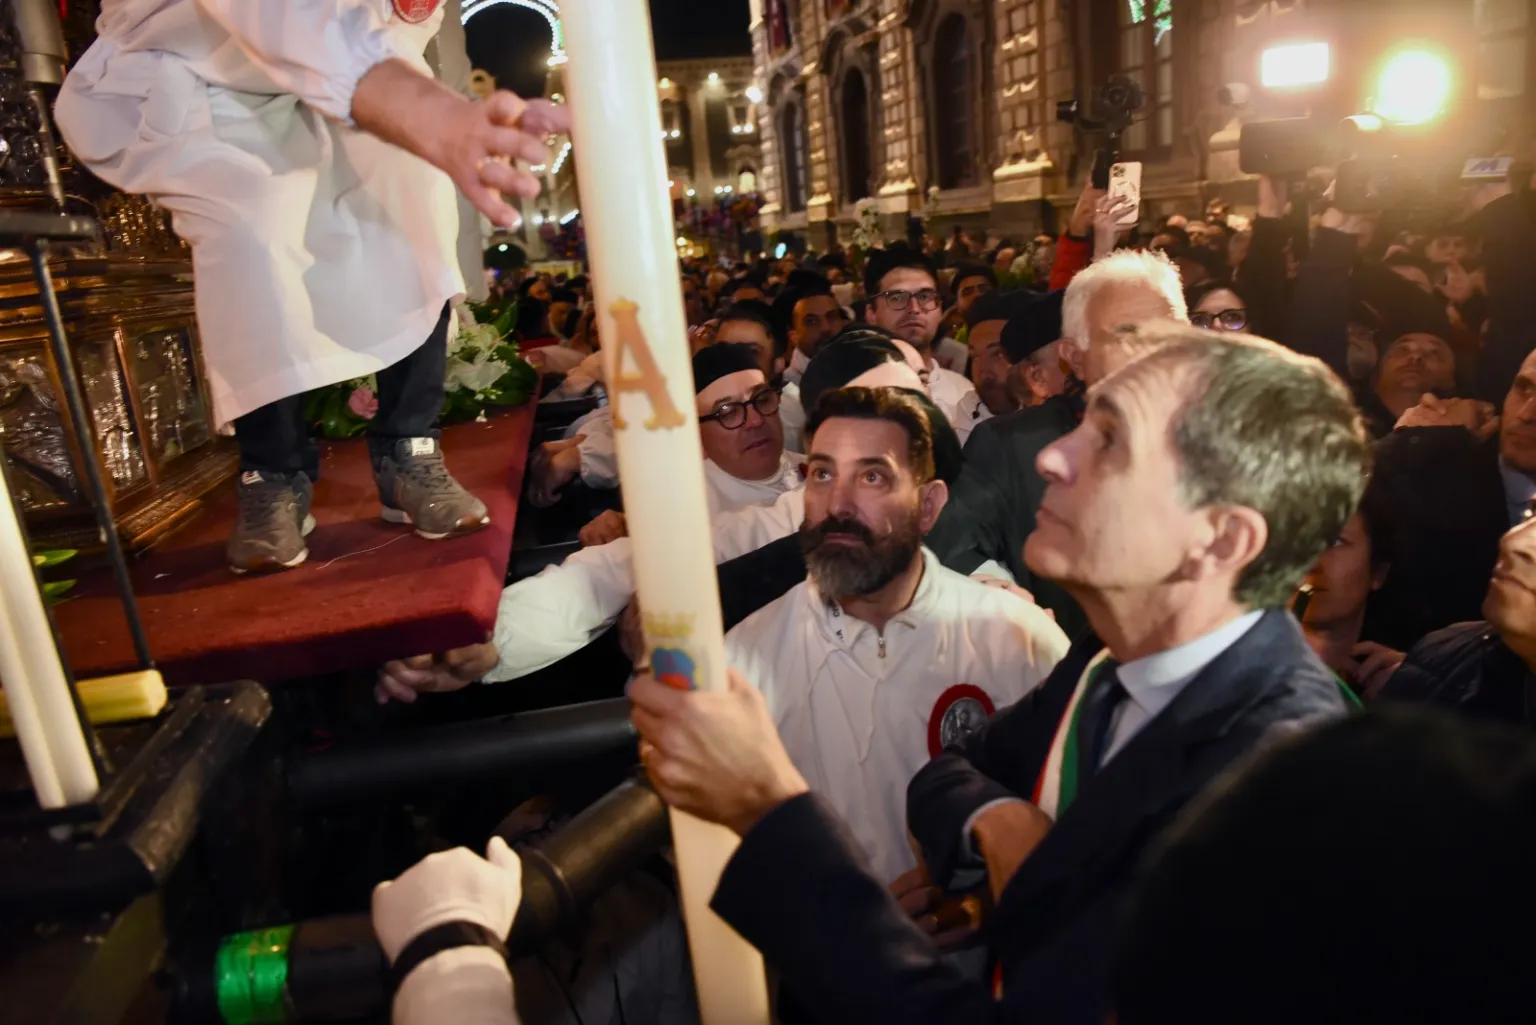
pixel 1418 175
pixel 1110 111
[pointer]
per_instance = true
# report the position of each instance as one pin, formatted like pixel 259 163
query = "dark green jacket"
pixel 992 506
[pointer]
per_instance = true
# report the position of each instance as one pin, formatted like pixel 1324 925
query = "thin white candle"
pixel 41 705
pixel 622 173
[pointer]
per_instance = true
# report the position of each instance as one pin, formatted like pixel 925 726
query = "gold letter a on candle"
pixel 631 339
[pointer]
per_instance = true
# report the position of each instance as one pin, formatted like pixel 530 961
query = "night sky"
pixel 512 42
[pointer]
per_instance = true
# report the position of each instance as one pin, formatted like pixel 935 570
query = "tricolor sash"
pixel 1056 788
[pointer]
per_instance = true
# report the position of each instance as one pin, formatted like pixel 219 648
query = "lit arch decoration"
pixel 550 9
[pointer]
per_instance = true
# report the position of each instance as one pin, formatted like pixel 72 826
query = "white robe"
pixel 546 617
pixel 321 253
pixel 860 719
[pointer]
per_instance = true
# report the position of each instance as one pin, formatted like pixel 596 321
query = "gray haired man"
pixel 996 498
pixel 1181 513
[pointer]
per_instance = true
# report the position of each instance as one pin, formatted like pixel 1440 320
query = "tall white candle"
pixel 47 728
pixel 621 169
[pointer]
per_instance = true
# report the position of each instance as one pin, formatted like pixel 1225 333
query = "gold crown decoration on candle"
pixel 631 338
pixel 664 627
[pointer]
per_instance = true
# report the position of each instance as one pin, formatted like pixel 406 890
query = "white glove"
pixel 465 985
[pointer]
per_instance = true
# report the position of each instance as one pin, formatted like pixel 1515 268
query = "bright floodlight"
pixel 1294 64
pixel 1413 87
pixel 754 94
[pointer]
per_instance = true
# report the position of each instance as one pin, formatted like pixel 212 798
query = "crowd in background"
pixel 1424 592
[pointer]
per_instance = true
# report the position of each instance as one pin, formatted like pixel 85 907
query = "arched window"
pixel 792 141
pixel 746 181
pixel 952 94
pixel 855 125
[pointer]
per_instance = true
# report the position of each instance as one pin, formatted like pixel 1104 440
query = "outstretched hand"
pixel 714 754
pixel 474 142
pixel 403 679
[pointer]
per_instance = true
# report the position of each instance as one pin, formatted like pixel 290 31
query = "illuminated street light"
pixel 1295 64
pixel 690 192
pixel 676 133
pixel 754 94
pixel 714 78
pixel 665 83
pixel 1413 88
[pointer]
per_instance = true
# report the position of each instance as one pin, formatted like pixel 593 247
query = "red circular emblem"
pixel 416 11
pixel 960 711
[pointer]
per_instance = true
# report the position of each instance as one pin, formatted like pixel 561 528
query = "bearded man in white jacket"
pixel 883 657
pixel 309 158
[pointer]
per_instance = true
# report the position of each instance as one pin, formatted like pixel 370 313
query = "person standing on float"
pixel 309 158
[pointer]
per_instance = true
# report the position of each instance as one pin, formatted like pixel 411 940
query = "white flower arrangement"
pixel 866 228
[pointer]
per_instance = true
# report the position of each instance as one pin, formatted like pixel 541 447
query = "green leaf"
pixel 336 420
pixel 53 556
pixel 506 323
pixel 54 590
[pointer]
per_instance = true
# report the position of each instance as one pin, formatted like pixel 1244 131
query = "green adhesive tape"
pixel 251 973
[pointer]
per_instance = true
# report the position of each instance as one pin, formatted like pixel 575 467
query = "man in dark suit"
pixel 994 501
pixel 1205 479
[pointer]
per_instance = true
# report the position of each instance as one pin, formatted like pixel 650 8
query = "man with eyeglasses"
pixel 904 299
pixel 588 448
pixel 548 616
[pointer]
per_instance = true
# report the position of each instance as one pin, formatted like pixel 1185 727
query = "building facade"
pixel 948 108
pixel 710 122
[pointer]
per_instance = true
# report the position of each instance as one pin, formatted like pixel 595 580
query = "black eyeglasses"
pixel 927 298
pixel 1226 320
pixel 733 415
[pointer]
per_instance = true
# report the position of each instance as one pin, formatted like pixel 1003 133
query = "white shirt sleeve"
pixel 318 50
pixel 748 529
pixel 792 418
pixel 599 453
pixel 546 617
pixel 586 374
pixel 994 570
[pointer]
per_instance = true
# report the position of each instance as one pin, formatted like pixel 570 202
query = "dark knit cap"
pixel 849 354
pixel 716 361
pixel 947 460
pixel 1034 327
pixel 995 306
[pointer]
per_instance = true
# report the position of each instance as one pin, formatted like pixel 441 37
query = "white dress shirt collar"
pixel 1154 681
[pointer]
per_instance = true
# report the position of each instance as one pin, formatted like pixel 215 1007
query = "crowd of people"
pixel 1055 578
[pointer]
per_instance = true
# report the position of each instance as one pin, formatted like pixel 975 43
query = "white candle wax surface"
pixel 610 80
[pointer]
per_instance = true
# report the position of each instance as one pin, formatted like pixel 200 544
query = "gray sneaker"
pixel 274 520
pixel 416 488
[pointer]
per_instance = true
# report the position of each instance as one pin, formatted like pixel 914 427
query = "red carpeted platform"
pixel 370 591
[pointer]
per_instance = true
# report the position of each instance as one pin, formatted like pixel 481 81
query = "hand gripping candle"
pixel 621 170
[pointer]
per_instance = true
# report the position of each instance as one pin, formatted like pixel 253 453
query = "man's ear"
pixel 1074 358
pixel 933 497
pixel 1238 536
